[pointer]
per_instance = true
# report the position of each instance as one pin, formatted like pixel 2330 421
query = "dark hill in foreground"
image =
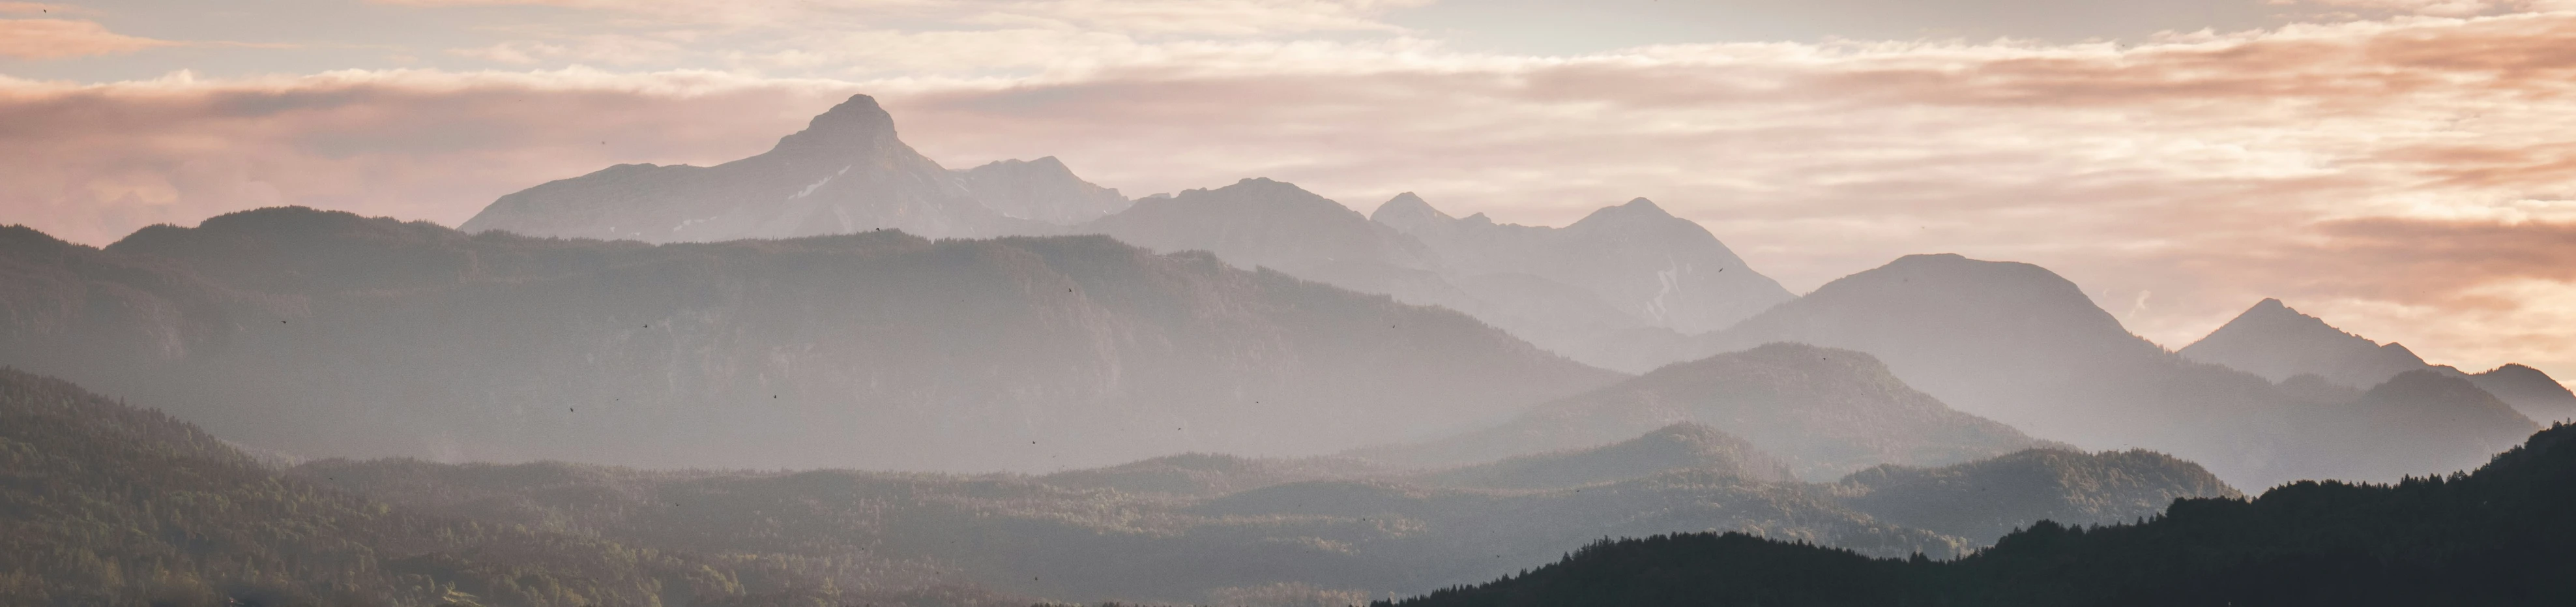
pixel 2499 536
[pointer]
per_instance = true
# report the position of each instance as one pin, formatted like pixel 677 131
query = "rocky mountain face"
pixel 2277 342
pixel 845 173
pixel 1632 267
pixel 331 334
pixel 2021 345
pixel 1823 412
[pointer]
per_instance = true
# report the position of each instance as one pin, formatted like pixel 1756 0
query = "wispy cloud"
pixel 60 38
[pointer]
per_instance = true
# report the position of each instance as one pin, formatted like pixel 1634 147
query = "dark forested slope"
pixel 2499 536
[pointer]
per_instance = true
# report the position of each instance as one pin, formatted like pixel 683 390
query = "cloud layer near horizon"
pixel 2407 179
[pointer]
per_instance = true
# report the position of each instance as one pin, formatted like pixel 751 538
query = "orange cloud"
pixel 60 38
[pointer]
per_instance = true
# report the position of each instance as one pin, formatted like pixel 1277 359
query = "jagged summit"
pixel 846 172
pixel 858 123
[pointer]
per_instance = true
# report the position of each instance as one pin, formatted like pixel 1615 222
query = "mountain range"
pixel 1591 290
pixel 331 334
pixel 2021 345
pixel 2277 342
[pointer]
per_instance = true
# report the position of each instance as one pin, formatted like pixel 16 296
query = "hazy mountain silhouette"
pixel 2277 342
pixel 1067 535
pixel 846 172
pixel 1655 270
pixel 2535 394
pixel 2493 537
pixel 1260 223
pixel 1824 412
pixel 2023 346
pixel 1681 446
pixel 1041 189
pixel 328 334
pixel 1619 289
pixel 113 505
pixel 1984 499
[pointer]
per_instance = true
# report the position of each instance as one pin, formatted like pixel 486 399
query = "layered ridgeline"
pixel 2020 345
pixel 1610 289
pixel 1824 412
pixel 1618 289
pixel 112 505
pixel 2494 537
pixel 1279 532
pixel 330 334
pixel 2277 342
pixel 846 172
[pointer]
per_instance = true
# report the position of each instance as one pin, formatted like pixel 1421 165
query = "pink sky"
pixel 2401 168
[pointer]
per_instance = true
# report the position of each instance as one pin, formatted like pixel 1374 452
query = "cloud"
pixel 2406 178
pixel 61 38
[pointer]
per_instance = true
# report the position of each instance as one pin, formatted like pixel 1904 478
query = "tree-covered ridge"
pixel 2499 536
pixel 1203 528
pixel 106 504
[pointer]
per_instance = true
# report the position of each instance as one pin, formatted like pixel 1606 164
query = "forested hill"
pixel 106 504
pixel 2499 536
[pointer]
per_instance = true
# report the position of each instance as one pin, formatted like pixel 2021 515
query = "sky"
pixel 2405 169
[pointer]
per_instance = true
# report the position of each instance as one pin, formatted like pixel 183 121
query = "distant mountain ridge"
pixel 2278 343
pixel 1824 412
pixel 2021 345
pixel 331 334
pixel 1619 289
pixel 845 173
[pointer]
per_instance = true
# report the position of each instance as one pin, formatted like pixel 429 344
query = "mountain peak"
pixel 1638 208
pixel 1408 212
pixel 858 123
pixel 2275 341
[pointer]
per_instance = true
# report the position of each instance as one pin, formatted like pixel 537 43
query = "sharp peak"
pixel 858 118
